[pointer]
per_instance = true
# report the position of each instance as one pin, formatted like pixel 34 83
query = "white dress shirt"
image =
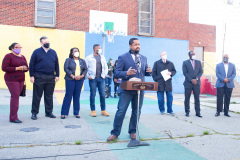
pixel 133 56
pixel 226 68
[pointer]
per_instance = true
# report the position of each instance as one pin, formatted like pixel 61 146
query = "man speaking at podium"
pixel 130 64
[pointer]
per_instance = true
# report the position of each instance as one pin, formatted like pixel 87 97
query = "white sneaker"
pixel 172 114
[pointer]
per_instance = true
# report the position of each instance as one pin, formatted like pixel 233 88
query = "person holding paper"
pixel 192 71
pixel 163 71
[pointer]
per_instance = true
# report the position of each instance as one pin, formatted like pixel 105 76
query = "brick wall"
pixel 171 17
pixel 17 12
pixel 202 36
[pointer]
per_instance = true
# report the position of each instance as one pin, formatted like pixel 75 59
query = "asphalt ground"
pixel 170 137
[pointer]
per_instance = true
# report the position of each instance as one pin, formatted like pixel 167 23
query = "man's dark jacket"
pixel 158 67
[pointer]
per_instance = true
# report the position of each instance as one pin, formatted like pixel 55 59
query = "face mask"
pixel 46 45
pixel 17 51
pixel 225 60
pixel 164 57
pixel 193 57
pixel 99 51
pixel 76 54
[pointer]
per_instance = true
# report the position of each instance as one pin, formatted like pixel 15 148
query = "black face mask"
pixel 46 45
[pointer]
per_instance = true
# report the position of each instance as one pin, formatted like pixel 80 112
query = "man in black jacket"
pixel 164 86
pixel 192 71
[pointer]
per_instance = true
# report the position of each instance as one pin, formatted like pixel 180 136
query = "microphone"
pixel 138 58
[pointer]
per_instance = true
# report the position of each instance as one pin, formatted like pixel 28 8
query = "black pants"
pixel 196 93
pixel 226 92
pixel 116 85
pixel 47 84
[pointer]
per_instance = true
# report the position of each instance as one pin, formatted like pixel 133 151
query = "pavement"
pixel 170 137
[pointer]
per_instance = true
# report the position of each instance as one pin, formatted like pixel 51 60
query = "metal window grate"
pixel 146 20
pixel 45 13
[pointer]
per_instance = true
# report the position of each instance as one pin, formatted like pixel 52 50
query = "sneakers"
pixel 104 113
pixel 171 114
pixel 93 114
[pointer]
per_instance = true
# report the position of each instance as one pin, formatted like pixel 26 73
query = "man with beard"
pixel 130 64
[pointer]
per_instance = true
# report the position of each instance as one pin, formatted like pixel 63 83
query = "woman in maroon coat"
pixel 15 66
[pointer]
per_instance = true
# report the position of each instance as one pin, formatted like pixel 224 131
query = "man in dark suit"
pixel 192 70
pixel 225 72
pixel 130 64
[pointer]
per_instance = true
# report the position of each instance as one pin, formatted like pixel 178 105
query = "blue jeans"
pixel 73 89
pixel 108 83
pixel 160 96
pixel 100 84
pixel 123 103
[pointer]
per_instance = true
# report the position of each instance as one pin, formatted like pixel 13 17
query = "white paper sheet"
pixel 165 75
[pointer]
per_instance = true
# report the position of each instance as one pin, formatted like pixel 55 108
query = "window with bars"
pixel 146 17
pixel 45 13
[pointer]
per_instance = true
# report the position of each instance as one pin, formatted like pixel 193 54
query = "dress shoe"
pixel 50 115
pixel 187 114
pixel 63 117
pixel 34 117
pixel 199 115
pixel 111 138
pixel 93 114
pixel 16 121
pixel 217 114
pixel 104 113
pixel 227 115
pixel 77 116
pixel 133 136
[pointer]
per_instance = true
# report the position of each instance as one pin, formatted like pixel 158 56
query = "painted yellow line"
pixel 60 96
pixel 153 97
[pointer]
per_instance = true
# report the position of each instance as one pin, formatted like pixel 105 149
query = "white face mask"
pixel 164 57
pixel 76 54
pixel 194 57
pixel 99 51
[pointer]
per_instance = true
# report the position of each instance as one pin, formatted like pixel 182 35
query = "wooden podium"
pixel 139 86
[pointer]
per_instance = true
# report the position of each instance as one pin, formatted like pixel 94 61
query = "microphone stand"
pixel 137 142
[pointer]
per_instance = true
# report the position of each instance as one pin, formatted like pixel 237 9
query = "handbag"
pixel 23 93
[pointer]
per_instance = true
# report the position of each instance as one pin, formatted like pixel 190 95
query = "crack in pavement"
pixel 215 132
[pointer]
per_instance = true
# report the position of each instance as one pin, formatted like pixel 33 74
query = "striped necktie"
pixel 137 62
